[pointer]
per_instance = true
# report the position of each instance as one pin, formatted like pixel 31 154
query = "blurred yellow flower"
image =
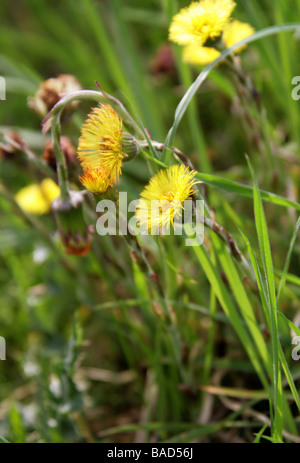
pixel 100 144
pixel 233 32
pixel 196 54
pixel 37 198
pixel 236 31
pixel 95 180
pixel 200 21
pixel 162 199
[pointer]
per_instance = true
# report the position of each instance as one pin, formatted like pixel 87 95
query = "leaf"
pixel 229 308
pixel 287 262
pixel 265 249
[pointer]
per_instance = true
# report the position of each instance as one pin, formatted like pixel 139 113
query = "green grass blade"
pixel 290 379
pixel 259 434
pixel 263 295
pixel 265 249
pixel 242 299
pixel 287 262
pixel 291 325
pixel 229 308
pixel 3 440
pixel 245 190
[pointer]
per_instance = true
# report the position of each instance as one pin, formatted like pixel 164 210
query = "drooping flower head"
pixel 100 143
pixel 170 187
pixel 235 31
pixel 200 21
pixel 96 180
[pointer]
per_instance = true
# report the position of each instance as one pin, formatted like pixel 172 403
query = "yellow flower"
pixel 95 180
pixel 200 21
pixel 196 54
pixel 100 143
pixel 162 199
pixel 37 198
pixel 236 31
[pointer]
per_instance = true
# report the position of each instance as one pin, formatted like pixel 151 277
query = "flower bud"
pixel 163 62
pixel 75 234
pixel 129 146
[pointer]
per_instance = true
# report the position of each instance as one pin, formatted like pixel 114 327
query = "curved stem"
pixel 98 97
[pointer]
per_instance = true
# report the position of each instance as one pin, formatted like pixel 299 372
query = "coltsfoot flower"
pixel 171 187
pixel 201 21
pixel 100 144
pixel 96 180
pixel 235 31
pixel 38 198
pixel 197 54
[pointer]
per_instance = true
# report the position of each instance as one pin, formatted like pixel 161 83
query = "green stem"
pixel 98 97
pixel 172 328
pixel 62 170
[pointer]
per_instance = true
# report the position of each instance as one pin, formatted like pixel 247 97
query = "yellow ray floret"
pixel 197 54
pixel 37 198
pixel 100 143
pixel 200 21
pixel 162 199
pixel 236 31
pixel 96 180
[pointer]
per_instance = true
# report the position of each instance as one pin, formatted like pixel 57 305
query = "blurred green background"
pixel 82 363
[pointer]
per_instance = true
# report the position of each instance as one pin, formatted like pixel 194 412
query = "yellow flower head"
pixel 37 198
pixel 197 54
pixel 236 31
pixel 100 143
pixel 162 199
pixel 200 21
pixel 96 180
